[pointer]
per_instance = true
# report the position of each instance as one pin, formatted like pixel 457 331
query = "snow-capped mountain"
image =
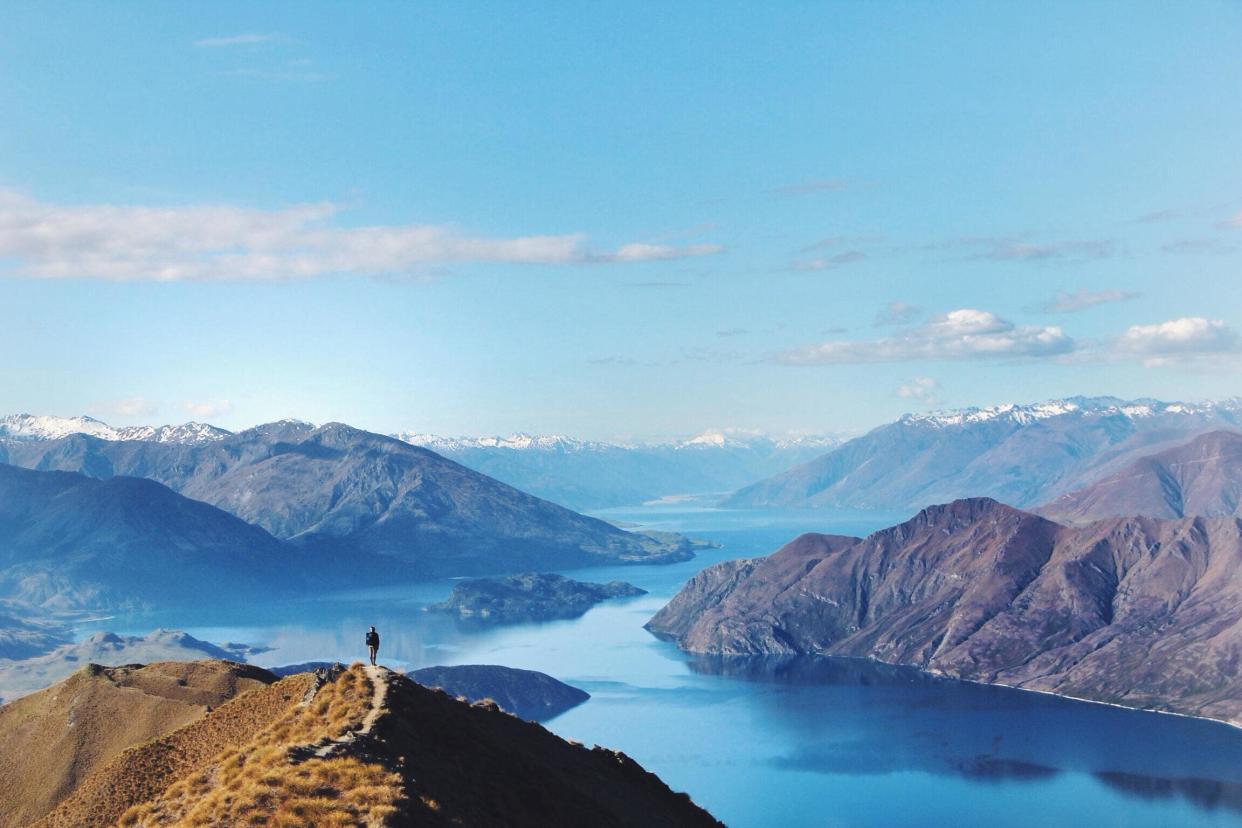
pixel 587 474
pixel 41 427
pixel 1023 455
pixel 1076 407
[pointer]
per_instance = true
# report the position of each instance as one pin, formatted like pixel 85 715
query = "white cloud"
pixel 830 262
pixel 1178 340
pixel 207 409
pixel 1082 299
pixel 923 389
pixel 244 39
pixel 1233 221
pixel 44 240
pixel 960 334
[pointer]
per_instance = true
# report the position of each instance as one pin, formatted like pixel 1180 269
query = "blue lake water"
pixel 786 742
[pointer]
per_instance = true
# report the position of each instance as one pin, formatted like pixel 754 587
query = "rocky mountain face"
pixel 1202 477
pixel 593 475
pixel 1024 455
pixel 342 491
pixel 526 693
pixel 69 542
pixel 1133 611
pixel 365 746
pixel 531 596
pixel 55 738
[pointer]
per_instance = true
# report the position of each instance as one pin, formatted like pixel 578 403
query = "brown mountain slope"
pixel 55 738
pixel 1139 612
pixel 369 747
pixel 1201 477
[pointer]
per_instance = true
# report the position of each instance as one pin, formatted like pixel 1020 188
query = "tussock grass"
pixel 263 783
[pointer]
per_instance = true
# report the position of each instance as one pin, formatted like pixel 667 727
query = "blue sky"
pixel 629 222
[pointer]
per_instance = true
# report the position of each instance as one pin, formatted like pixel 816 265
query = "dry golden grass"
pixel 140 773
pixel 262 783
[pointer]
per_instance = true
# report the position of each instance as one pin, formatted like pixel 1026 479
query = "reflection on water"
pixel 784 741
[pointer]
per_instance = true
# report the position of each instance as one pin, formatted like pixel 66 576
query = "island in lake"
pixel 531 596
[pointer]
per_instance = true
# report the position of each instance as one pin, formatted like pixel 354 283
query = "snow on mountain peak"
pixel 1072 406
pixel 42 427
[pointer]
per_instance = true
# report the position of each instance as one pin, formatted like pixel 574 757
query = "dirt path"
pixel 379 697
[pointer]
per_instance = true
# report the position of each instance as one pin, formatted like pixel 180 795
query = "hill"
pixel 1025 455
pixel 17 678
pixel 1132 611
pixel 530 596
pixel 369 747
pixel 68 541
pixel 55 738
pixel 1200 477
pixel 526 693
pixel 344 491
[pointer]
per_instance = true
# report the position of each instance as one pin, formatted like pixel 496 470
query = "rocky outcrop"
pixel 526 693
pixel 1202 477
pixel 1134 611
pixel 531 596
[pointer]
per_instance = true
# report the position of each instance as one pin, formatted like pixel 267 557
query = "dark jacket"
pixel 372 639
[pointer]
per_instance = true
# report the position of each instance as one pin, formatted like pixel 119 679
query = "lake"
pixel 785 742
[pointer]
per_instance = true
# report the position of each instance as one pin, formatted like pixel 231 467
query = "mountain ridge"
pixel 1132 611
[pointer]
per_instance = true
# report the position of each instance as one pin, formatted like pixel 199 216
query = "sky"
pixel 615 221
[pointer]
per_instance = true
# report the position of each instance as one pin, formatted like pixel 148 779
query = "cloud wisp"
pixel 922 389
pixel 897 313
pixel 1082 299
pixel 225 242
pixel 961 334
pixel 243 39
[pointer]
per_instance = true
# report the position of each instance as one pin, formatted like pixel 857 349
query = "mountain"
pixel 368 747
pixel 18 678
pixel 1020 454
pixel 1132 611
pixel 526 693
pixel 55 738
pixel 1203 477
pixel 345 492
pixel 531 596
pixel 68 541
pixel 30 427
pixel 595 475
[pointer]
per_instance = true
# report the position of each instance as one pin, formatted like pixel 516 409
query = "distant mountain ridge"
pixel 587 474
pixel 344 492
pixel 1201 477
pixel 1133 611
pixel 1020 454
pixel 30 427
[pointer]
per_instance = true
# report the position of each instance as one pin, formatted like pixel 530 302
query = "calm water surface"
pixel 787 742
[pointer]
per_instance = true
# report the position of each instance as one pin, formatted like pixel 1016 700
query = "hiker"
pixel 372 644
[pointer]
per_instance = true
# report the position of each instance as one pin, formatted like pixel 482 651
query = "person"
pixel 372 644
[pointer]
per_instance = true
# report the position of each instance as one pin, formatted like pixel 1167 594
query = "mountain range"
pixel 1202 476
pixel 594 475
pixel 336 491
pixel 1133 611
pixel 1025 455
